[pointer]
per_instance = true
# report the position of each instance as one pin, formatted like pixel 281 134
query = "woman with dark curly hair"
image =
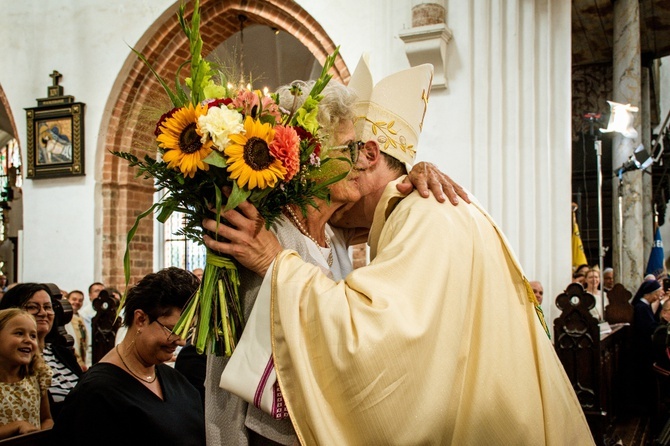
pixel 130 392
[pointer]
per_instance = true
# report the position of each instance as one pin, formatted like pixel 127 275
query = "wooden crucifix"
pixel 54 89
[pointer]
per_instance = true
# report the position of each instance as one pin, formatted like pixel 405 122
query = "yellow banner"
pixel 578 256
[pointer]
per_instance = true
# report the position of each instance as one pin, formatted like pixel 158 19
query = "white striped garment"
pixel 63 379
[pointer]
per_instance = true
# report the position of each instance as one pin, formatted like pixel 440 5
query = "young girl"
pixel 24 376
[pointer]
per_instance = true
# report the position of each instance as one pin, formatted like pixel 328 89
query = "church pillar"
pixel 628 226
pixel 647 192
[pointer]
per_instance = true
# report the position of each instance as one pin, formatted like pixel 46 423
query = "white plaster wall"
pixel 519 170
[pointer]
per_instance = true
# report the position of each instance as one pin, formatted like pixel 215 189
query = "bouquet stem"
pixel 214 313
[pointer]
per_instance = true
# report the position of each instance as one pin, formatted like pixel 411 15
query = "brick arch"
pixel 123 196
pixel 6 116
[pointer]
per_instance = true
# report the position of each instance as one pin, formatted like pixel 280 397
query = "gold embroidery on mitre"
pixel 387 136
pixel 424 98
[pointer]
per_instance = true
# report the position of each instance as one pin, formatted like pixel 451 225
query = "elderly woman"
pixel 130 395
pixel 231 420
pixel 36 300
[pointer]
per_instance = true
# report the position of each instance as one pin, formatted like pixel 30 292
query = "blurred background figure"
pixel 644 326
pixel 87 313
pixel 579 275
pixel 114 294
pixel 592 286
pixel 608 279
pixel 77 329
pixel 661 338
pixel 538 290
pixel 198 273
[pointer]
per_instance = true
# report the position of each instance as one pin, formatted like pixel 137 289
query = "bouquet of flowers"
pixel 215 137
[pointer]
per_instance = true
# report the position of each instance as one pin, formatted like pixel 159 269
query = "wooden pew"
pixel 595 361
pixel 104 325
pixel 63 310
pixel 38 438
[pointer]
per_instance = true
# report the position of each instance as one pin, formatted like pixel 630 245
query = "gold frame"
pixel 55 140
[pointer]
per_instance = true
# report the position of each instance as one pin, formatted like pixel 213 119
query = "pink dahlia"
pixel 286 148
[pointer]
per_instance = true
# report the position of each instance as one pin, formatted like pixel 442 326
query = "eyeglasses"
pixel 35 308
pixel 354 148
pixel 171 336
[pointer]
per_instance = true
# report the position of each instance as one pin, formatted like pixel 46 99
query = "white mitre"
pixel 392 112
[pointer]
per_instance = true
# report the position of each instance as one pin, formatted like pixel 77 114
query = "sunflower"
pixel 181 139
pixel 249 159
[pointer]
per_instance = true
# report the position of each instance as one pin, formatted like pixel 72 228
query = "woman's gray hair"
pixel 335 107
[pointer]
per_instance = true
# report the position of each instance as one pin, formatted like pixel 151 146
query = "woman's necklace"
pixel 302 229
pixel 148 379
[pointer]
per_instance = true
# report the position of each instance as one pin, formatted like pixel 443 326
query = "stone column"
pixel 628 228
pixel 648 214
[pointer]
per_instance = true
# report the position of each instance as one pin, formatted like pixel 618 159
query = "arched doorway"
pixel 11 209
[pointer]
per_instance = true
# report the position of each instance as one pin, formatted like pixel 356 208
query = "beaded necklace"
pixel 148 379
pixel 301 228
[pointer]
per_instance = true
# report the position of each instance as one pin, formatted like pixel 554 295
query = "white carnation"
pixel 218 124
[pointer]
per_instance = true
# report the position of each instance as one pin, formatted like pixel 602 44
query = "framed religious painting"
pixel 55 141
pixel 55 134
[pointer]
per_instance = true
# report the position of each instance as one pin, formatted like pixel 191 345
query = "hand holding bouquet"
pixel 217 136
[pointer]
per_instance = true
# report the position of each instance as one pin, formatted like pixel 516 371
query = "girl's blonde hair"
pixel 37 363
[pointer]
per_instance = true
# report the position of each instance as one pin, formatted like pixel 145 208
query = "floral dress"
pixel 21 400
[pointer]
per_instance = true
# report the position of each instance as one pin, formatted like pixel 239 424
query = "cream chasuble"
pixel 436 342
pixel 228 417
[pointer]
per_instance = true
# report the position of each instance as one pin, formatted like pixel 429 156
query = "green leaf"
pixel 179 90
pixel 126 255
pixel 173 97
pixel 167 209
pixel 326 183
pixel 215 158
pixel 236 197
pixel 186 319
pixel 324 78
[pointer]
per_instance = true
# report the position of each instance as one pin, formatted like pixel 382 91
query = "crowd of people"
pixel 40 367
pixel 650 341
